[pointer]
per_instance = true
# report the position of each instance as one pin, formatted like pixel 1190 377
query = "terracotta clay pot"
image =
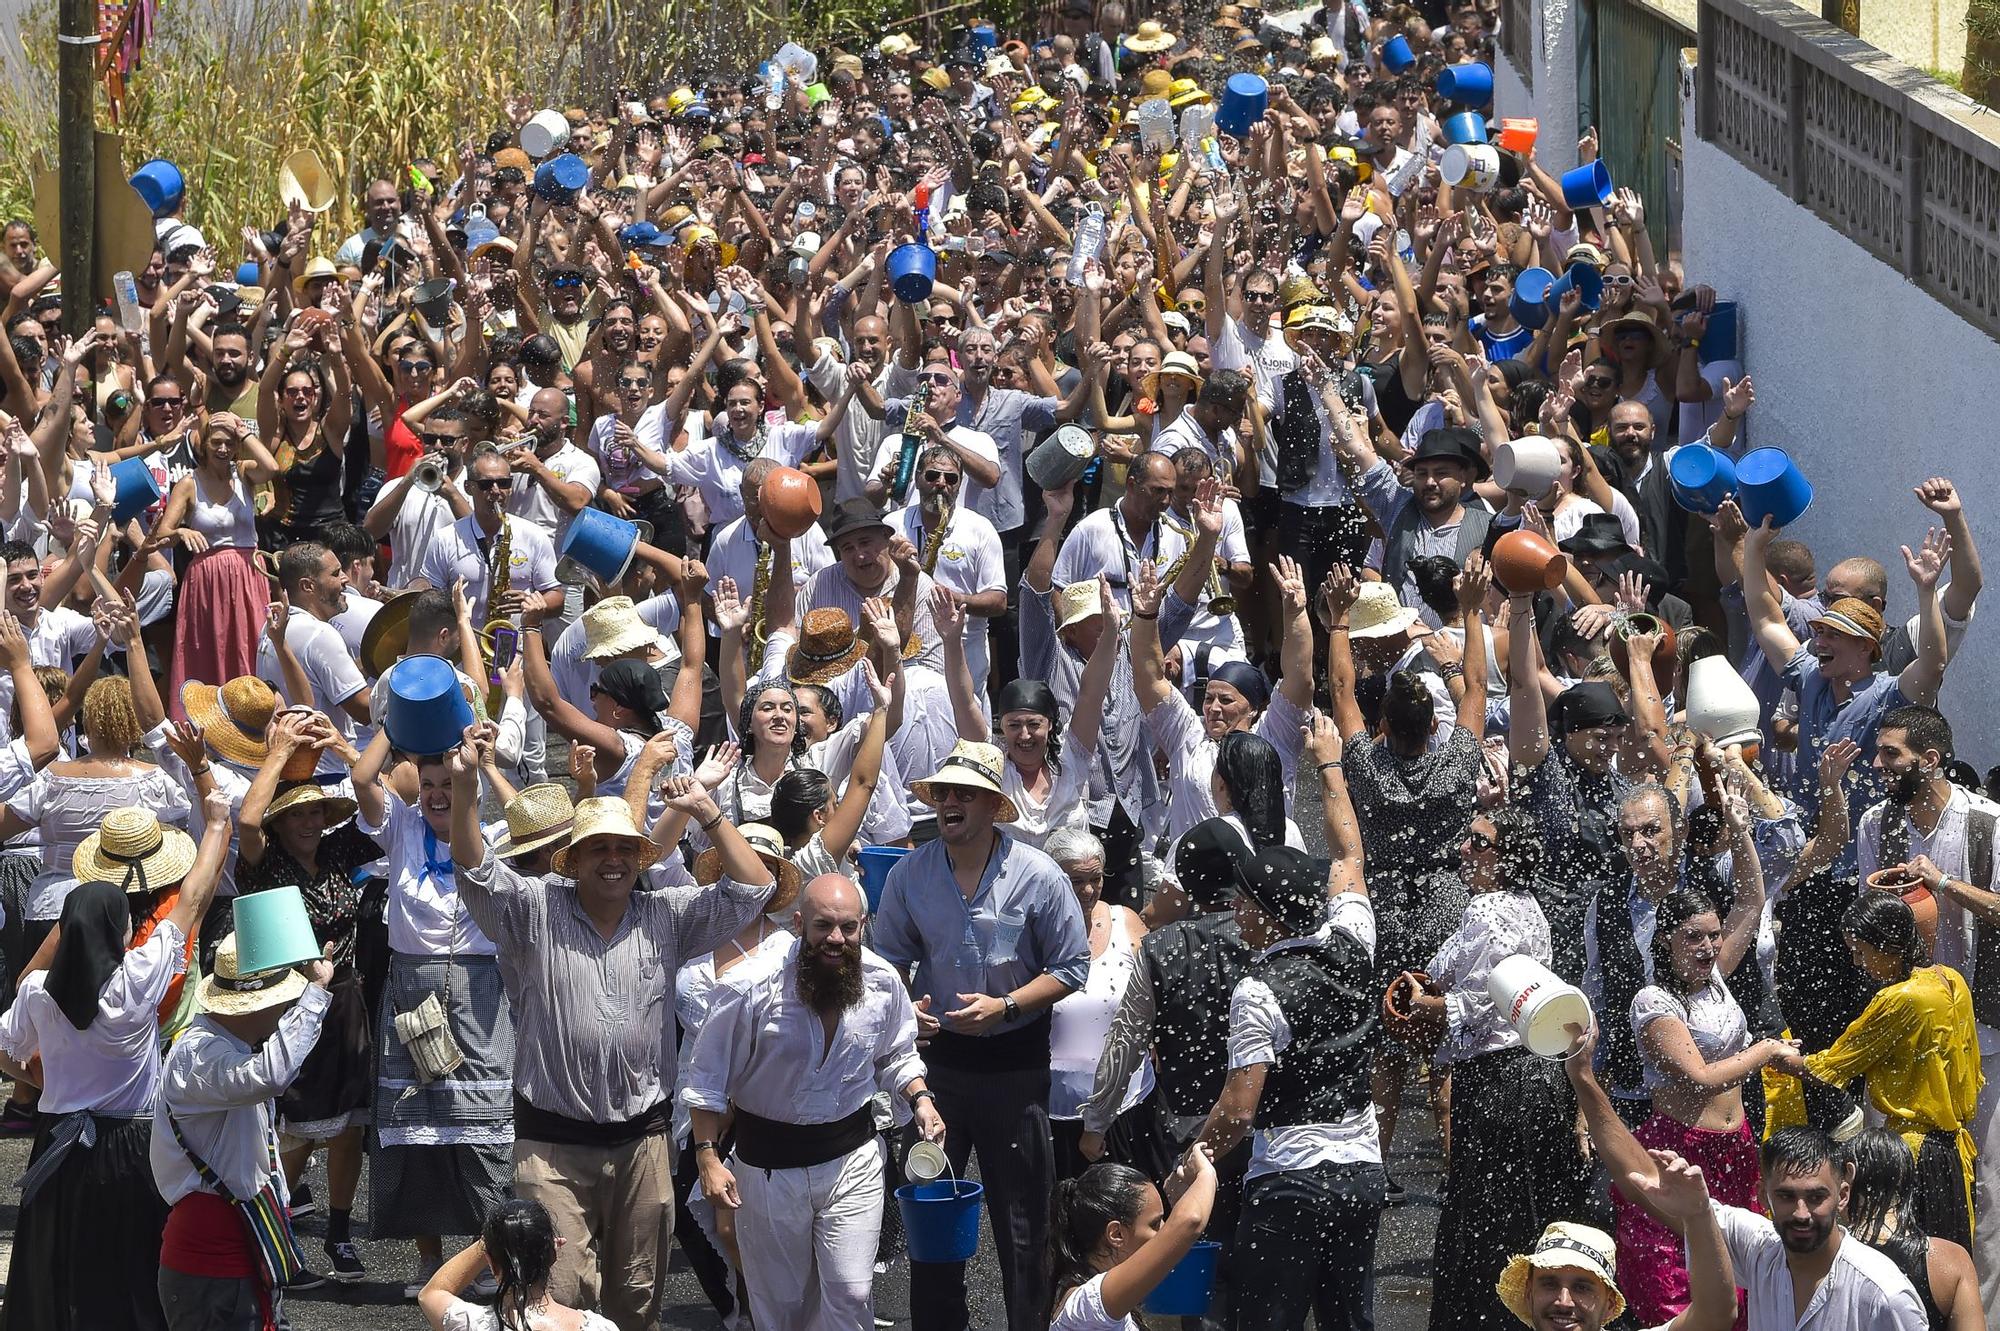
pixel 1525 562
pixel 1403 1020
pixel 1663 655
pixel 1915 895
pixel 789 501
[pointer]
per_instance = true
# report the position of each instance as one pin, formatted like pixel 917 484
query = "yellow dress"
pixel 1916 1045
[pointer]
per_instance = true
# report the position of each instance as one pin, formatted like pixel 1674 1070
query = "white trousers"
pixel 1986 1185
pixel 808 1239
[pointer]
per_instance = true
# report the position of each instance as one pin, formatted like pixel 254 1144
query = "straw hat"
pixel 1638 320
pixel 316 267
pixel 1156 83
pixel 1563 1246
pixel 132 849
pixel 1322 48
pixel 1078 602
pixel 1378 614
pixel 828 647
pixel 897 44
pixel 537 816
pixel 612 627
pixel 770 848
pixel 1229 16
pixel 1150 37
pixel 232 718
pixel 303 792
pixel 1174 365
pixel 972 766
pixel 603 816
pixel 303 179
pixel 1298 289
pixel 514 157
pixel 228 994
pixel 1318 319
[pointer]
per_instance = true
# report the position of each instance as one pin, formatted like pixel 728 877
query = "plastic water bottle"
pixel 807 211
pixel 130 317
pixel 1089 239
pixel 1197 123
pixel 1156 125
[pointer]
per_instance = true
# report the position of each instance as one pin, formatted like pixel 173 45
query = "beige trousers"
pixel 614 1209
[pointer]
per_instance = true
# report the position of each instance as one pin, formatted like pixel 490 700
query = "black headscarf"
pixel 94 920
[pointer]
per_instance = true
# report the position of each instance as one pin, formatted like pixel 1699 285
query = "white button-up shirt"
pixel 1863 1290
pixel 111 1066
pixel 1497 925
pixel 765 1049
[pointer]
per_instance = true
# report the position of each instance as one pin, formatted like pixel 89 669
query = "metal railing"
pixel 1889 157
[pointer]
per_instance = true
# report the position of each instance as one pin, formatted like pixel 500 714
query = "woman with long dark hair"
pixel 1882 1213
pixel 1916 1045
pixel 87 1245
pixel 519 1246
pixel 1112 1240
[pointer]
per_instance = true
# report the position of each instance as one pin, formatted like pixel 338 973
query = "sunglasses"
pixel 494 482
pixel 302 390
pixel 1617 281
pixel 431 438
pixel 941 478
pixel 637 384
pixel 935 378
pixel 414 366
pixel 1192 306
pixel 163 402
pixel 1596 381
pixel 565 281
pixel 1261 297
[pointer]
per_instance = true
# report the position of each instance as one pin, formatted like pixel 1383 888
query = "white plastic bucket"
pixel 546 132
pixel 1538 1004
pixel 1471 166
pixel 1528 465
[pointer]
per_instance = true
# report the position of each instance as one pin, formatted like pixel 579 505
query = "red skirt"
pixel 1652 1271
pixel 223 603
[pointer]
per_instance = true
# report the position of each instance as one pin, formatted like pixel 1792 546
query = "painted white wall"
pixel 1553 100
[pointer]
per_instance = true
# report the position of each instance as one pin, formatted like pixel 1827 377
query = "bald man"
pixel 860 435
pixel 797 1047
pixel 554 480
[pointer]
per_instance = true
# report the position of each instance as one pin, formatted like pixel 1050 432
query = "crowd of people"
pixel 1071 599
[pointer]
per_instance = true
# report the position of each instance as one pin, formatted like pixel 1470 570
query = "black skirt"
pixel 87 1247
pixel 338 1076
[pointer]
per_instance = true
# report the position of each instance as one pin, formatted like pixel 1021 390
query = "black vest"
pixel 1333 1007
pixel 1194 966
pixel 1621 975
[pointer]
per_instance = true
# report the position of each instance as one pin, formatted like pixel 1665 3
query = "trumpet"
pixel 1221 602
pixel 429 474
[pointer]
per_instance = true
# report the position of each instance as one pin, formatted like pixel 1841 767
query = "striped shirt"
pixel 594 1018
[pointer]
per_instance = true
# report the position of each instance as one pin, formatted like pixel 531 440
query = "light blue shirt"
pixel 1023 922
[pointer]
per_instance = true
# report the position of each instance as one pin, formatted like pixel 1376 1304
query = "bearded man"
pixel 797 1048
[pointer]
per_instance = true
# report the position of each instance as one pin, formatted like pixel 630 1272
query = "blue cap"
pixel 248 274
pixel 640 234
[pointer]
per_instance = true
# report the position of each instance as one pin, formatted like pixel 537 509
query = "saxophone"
pixel 935 541
pixel 500 576
pixel 760 585
pixel 913 444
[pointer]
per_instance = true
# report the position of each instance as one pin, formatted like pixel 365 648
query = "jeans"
pixel 1306 1245
pixel 1005 1117
pixel 213 1303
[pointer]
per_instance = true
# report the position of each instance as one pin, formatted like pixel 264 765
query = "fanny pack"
pixel 280 1260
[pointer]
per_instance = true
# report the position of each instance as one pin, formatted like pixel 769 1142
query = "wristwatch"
pixel 926 1094
pixel 1013 1009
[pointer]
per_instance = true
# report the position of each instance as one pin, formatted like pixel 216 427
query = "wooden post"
pixel 76 170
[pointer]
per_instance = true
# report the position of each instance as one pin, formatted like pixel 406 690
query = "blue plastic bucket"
pixel 1397 55
pixel 1722 340
pixel 912 272
pixel 1587 186
pixel 1769 483
pixel 1187 1288
pixel 427 711
pixel 1245 98
pixel 1584 279
pixel 560 178
pixel 1465 127
pixel 941 1219
pixel 1470 84
pixel 1528 304
pixel 160 185
pixel 1702 477
pixel 876 861
pixel 135 489
pixel 601 542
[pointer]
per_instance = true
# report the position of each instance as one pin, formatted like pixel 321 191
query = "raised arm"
pixel 1528 710
pixel 1337 597
pixel 1149 665
pixel 1941 497
pixel 1922 678
pixel 1472 586
pixel 843 824
pixel 1760 596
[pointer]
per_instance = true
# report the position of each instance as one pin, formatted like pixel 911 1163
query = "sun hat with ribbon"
pixel 1563 1246
pixel 133 850
pixel 228 994
pixel 302 793
pixel 973 766
pixel 233 717
pixel 613 627
pixel 1174 365
pixel 1152 36
pixel 1377 613
pixel 316 267
pixel 828 647
pixel 1853 618
pixel 770 848
pixel 538 816
pixel 604 816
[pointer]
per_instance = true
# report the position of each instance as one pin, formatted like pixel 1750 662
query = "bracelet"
pixel 199 771
pixel 925 1094
pixel 1140 614
pixel 711 822
pixel 699 1147
pixel 1339 628
pixel 1451 670
pixel 1333 764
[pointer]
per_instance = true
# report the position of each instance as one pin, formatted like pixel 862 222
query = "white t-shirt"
pixel 1083 1310
pixel 714 470
pixel 330 669
pixel 465 1316
pixel 418 524
pixel 969 561
pixel 531 499
pixel 1103 543
pixel 59 636
pixel 977 442
pixel 352 622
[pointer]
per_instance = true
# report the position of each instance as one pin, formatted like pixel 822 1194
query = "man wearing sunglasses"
pixel 410 518
pixel 977 455
pixel 961 547
pixel 467 549
pixel 564 312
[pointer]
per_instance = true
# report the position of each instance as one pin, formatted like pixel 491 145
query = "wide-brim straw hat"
pixel 613 627
pixel 605 816
pixel 770 848
pixel 316 267
pixel 538 816
pixel 133 850
pixel 1152 36
pixel 1377 613
pixel 974 766
pixel 232 718
pixel 339 808
pixel 827 648
pixel 1078 602
pixel 228 994
pixel 1563 1245
pixel 1174 365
